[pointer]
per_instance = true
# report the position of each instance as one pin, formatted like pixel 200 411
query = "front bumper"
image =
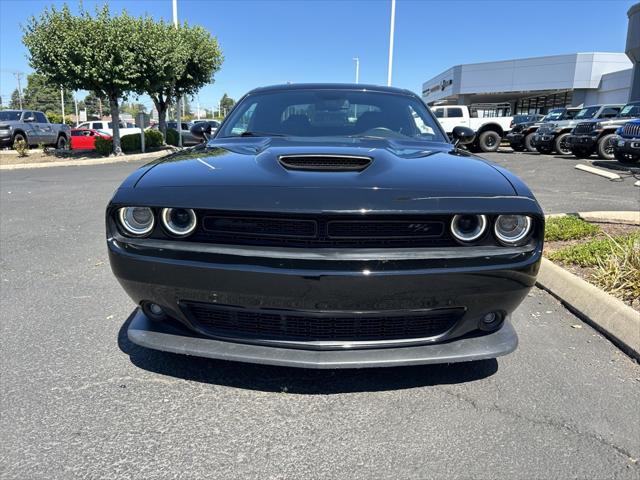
pixel 515 139
pixel 544 140
pixel 582 142
pixel 627 145
pixel 325 282
pixel 174 337
pixel 5 137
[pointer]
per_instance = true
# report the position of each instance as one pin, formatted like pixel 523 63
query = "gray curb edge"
pixel 617 321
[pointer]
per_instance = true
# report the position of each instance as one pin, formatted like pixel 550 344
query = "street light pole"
pixel 178 99
pixel 62 102
pixel 357 60
pixel 18 76
pixel 392 29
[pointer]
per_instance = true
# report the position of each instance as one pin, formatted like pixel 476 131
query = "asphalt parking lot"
pixel 80 401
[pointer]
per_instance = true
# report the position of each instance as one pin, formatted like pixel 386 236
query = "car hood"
pixel 424 167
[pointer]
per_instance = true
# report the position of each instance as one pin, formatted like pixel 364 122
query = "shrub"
pixel 172 137
pixel 619 273
pixel 104 146
pixel 57 118
pixel 131 143
pixel 21 147
pixel 592 252
pixel 152 138
pixel 568 228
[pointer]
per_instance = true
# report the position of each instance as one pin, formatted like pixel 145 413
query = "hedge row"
pixel 131 143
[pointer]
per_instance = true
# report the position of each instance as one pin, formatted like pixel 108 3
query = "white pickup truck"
pixel 125 128
pixel 489 130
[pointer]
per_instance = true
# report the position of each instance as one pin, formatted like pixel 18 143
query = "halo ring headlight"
pixel 468 228
pixel 179 222
pixel 136 221
pixel 512 229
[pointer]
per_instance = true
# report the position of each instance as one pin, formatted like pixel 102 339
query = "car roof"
pixel 332 86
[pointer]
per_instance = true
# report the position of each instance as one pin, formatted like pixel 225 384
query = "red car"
pixel 85 138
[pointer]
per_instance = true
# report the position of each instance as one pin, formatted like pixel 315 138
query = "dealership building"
pixel 535 85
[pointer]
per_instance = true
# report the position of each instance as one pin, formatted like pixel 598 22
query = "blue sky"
pixel 267 42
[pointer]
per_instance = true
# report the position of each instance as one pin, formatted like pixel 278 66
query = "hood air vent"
pixel 325 163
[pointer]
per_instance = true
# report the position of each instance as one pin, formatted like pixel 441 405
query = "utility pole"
pixel 100 107
pixel 198 107
pixel 18 76
pixel 62 102
pixel 178 100
pixel 357 60
pixel 393 26
pixel 75 101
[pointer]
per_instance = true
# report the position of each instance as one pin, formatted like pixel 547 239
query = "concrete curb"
pixel 606 313
pixel 95 161
pixel 628 217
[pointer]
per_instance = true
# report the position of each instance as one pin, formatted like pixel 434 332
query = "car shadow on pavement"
pixel 269 378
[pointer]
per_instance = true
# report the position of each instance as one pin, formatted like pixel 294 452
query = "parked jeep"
pixel 596 135
pixel 33 127
pixel 626 144
pixel 553 135
pixel 521 135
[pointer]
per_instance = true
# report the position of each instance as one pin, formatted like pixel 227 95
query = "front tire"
pixel 561 144
pixel 489 141
pixel 528 143
pixel 605 148
pixel 61 143
pixel 19 136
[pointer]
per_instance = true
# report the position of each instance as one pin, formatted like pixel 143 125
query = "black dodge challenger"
pixel 326 226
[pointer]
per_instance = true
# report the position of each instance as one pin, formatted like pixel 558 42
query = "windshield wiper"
pixel 249 133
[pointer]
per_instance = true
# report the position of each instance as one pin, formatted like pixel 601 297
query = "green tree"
pixel 41 94
pixel 14 103
pixel 86 52
pixel 226 104
pixel 96 105
pixel 174 62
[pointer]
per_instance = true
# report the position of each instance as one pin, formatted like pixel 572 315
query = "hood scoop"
pixel 325 163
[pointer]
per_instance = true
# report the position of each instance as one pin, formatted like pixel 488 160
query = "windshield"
pixel 10 116
pixel 332 113
pixel 632 110
pixel 588 112
pixel 554 115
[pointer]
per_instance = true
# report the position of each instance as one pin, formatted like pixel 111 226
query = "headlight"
pixel 136 221
pixel 597 126
pixel 179 222
pixel 468 228
pixel 512 229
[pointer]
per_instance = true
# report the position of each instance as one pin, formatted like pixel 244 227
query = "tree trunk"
pixel 115 123
pixel 161 107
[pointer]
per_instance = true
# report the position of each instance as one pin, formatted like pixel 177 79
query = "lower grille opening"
pixel 306 326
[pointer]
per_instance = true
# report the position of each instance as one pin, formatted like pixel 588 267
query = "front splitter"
pixel 170 337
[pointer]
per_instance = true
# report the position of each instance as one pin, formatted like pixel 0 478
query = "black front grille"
pixel 323 231
pixel 544 129
pixel 631 130
pixel 583 128
pixel 332 163
pixel 305 326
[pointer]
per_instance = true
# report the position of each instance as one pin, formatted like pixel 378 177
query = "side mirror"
pixel 201 130
pixel 462 135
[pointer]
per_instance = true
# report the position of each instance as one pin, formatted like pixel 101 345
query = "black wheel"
pixel 528 142
pixel 544 150
pixel 581 153
pixel 605 147
pixel 626 158
pixel 489 141
pixel 61 144
pixel 561 145
pixel 19 136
